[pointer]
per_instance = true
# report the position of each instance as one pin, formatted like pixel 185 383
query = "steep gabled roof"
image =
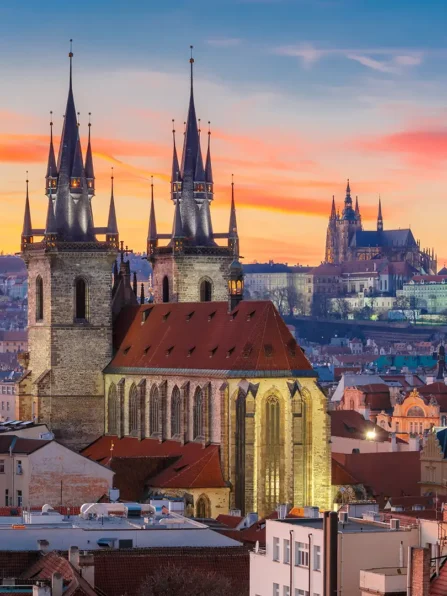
pixel 205 336
pixel 383 239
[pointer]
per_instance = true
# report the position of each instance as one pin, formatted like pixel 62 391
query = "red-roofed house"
pixel 368 400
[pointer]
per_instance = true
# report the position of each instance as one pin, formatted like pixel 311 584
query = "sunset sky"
pixel 301 94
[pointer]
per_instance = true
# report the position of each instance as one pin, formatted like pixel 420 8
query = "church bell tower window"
pixel 205 291
pixel 165 289
pixel 81 296
pixel 39 298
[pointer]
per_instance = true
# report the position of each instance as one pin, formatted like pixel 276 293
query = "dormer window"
pixel 75 183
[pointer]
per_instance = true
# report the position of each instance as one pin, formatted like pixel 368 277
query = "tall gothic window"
pixel 240 452
pixel 112 410
pixel 205 291
pixel 154 411
pixel 165 289
pixel 198 414
pixel 39 298
pixel 175 412
pixel 273 452
pixel 133 411
pixel 80 299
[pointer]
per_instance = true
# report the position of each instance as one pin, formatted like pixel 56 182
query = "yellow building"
pixel 412 415
pixel 434 464
pixel 186 375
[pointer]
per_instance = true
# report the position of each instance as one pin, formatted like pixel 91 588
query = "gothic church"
pixel 213 389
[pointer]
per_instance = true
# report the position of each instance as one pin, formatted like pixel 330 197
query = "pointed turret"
pixel 152 238
pixel 348 199
pixel 112 234
pixel 89 171
pixel 74 218
pixel 348 212
pixel 51 175
pixel 191 140
pixel 27 230
pixel 233 238
pixel 142 294
pixel 357 209
pixel 176 184
pixel 333 210
pixel 199 174
pixel 379 217
pixel 208 167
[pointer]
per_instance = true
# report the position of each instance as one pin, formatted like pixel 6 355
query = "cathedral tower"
pixel 341 229
pixel 69 297
pixel 191 267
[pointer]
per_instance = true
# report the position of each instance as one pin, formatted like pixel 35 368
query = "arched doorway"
pixel 203 507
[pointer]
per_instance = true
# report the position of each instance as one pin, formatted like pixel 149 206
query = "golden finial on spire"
pixel 191 60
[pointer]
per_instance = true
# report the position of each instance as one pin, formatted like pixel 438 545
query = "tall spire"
pixel 112 225
pixel 208 168
pixel 233 238
pixel 191 141
pixel 175 175
pixel 333 211
pixel 379 217
pixel 152 238
pixel 51 174
pixel 348 199
pixel 89 171
pixel 27 230
pixel 357 210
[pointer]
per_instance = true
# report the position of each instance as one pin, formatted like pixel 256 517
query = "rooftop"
pixel 352 526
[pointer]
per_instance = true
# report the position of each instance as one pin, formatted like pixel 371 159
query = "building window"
pixel 203 507
pixel 19 498
pixel 205 291
pixel 317 558
pixel 286 551
pixel 7 497
pixel 2 466
pixel 273 453
pixel 302 554
pixel 165 289
pixel 125 543
pixel 198 414
pixel 276 549
pixel 175 412
pixel 286 591
pixel 275 589
pixel 133 411
pixel 19 469
pixel 39 298
pixel 112 410
pixel 299 592
pixel 81 299
pixel 154 411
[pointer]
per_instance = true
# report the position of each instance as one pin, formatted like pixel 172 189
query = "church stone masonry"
pixel 200 367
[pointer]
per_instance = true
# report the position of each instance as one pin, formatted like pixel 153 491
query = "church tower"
pixel 69 296
pixel 191 267
pixel 341 229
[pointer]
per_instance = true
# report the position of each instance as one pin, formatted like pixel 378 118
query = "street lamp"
pixel 371 435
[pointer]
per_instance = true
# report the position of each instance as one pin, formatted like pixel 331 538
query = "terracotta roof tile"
pixel 222 340
pixel 349 424
pixel 231 521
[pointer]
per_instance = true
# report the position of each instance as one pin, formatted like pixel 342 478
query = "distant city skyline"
pixel 300 94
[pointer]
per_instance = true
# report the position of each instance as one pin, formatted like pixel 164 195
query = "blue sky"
pixel 302 95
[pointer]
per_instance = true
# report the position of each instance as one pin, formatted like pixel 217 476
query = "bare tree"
pixel 175 580
pixel 342 307
pixel 287 300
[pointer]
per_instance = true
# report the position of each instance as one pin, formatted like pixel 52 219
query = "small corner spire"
pixel 380 217
pixel 112 225
pixel 142 293
pixel 89 171
pixel 333 211
pixel 233 238
pixel 27 231
pixel 208 166
pixel 152 238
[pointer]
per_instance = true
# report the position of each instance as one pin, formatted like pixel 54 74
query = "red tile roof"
pixel 122 572
pixel 349 424
pixel 438 390
pixel 205 335
pixel 231 521
pixel 390 474
pixel 429 278
pixel 186 466
pixel 438 586
pixel 340 476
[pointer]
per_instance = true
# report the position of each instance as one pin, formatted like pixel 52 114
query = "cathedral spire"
pixel 348 199
pixel 27 230
pixel 233 238
pixel 51 175
pixel 379 217
pixel 152 238
pixel 112 225
pixel 333 211
pixel 89 171
pixel 191 140
pixel 357 209
pixel 208 167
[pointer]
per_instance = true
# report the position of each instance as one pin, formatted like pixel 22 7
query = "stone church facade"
pixel 200 374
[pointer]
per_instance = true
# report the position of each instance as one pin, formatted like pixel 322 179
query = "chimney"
pixel 420 571
pixel 57 584
pixel 73 557
pixel 43 546
pixel 87 567
pixel 330 532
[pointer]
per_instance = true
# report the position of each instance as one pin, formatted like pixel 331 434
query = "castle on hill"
pixel 346 240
